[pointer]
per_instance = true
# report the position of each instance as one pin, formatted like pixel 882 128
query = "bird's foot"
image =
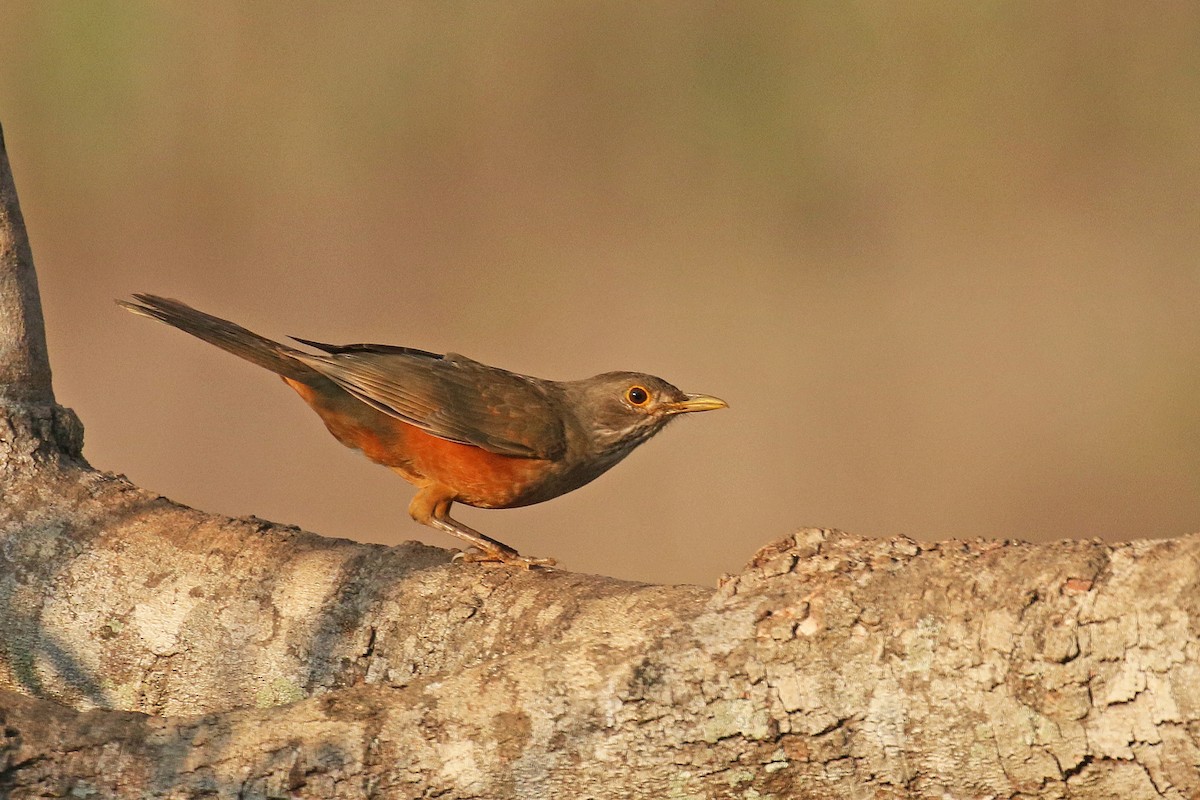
pixel 483 549
pixel 476 555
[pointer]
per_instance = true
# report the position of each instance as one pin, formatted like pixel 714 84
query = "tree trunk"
pixel 152 650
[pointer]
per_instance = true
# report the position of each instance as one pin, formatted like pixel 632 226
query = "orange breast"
pixel 477 476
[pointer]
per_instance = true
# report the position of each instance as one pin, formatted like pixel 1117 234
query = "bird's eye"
pixel 637 396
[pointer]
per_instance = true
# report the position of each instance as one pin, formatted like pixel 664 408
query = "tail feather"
pixel 279 358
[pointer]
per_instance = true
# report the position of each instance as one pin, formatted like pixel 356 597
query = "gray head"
pixel 620 410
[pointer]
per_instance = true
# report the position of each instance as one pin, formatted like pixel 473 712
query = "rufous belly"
pixel 477 476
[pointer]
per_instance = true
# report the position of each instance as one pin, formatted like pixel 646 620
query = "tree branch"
pixel 34 430
pixel 155 650
pixel 24 363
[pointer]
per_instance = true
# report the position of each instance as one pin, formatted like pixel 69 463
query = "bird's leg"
pixel 431 507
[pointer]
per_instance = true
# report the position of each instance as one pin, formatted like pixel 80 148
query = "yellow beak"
pixel 697 402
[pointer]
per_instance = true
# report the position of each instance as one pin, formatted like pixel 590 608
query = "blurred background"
pixel 942 259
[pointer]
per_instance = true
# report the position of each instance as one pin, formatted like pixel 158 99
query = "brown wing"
pixel 452 397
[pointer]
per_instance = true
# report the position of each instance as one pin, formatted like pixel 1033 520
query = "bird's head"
pixel 620 410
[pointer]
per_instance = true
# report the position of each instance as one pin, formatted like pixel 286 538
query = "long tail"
pixel 278 358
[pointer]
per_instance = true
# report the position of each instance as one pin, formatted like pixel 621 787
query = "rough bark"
pixel 152 650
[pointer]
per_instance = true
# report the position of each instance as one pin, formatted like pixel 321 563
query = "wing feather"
pixel 452 397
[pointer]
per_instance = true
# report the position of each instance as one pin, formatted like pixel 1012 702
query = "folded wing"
pixel 452 397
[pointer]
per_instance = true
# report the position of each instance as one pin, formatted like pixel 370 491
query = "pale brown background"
pixel 941 258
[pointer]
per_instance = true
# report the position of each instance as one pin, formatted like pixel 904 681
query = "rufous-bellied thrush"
pixel 458 430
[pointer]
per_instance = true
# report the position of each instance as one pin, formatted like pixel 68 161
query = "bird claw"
pixel 529 562
pixel 476 555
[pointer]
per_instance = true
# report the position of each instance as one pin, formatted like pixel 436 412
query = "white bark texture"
pixel 152 650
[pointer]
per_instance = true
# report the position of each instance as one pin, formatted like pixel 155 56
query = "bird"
pixel 458 430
